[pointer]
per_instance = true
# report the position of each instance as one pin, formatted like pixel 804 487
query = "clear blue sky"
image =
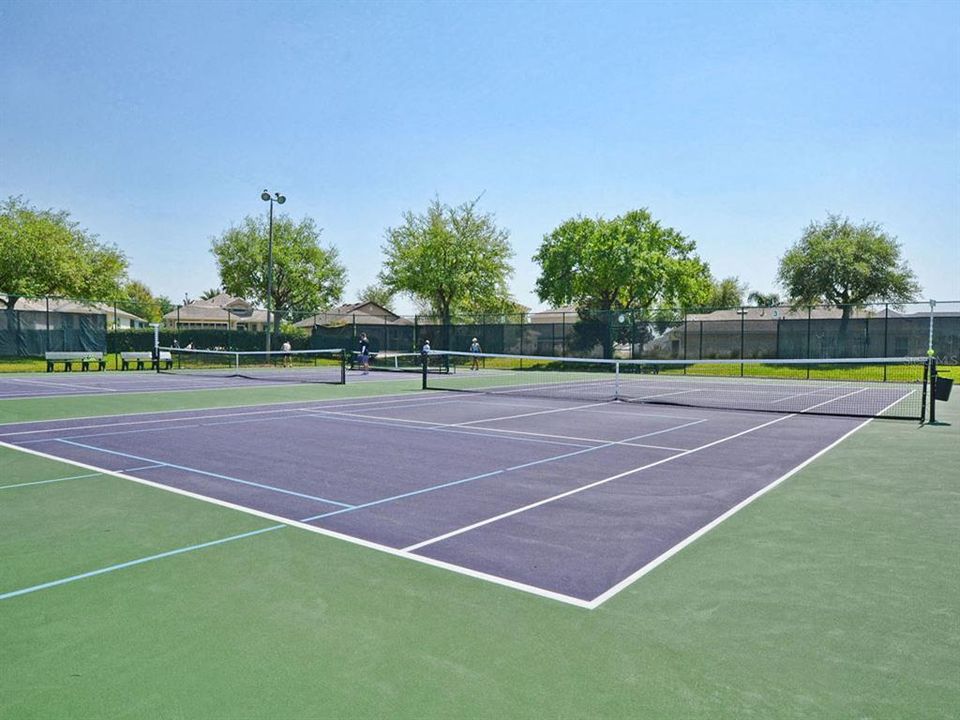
pixel 157 125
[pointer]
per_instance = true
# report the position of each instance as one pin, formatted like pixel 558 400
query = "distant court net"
pixel 389 361
pixel 303 366
pixel 888 387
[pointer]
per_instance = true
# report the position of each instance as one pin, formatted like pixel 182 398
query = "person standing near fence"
pixel 476 350
pixel 364 353
pixel 286 348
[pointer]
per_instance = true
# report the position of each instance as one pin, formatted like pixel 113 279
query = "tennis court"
pixel 31 385
pixel 510 489
pixel 591 556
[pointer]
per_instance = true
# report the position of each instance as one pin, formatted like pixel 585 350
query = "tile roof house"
pixel 222 311
pixel 361 313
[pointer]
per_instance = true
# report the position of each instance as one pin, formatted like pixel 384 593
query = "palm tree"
pixel 210 294
pixel 763 299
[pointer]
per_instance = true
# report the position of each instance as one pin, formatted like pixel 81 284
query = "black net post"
pixel 932 375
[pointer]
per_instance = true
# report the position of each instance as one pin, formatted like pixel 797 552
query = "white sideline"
pixel 533 590
pixel 210 413
pixel 568 493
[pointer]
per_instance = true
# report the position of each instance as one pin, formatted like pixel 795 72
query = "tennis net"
pixel 391 361
pixel 864 387
pixel 303 366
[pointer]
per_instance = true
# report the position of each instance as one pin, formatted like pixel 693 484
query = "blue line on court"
pixel 44 482
pixel 139 561
pixel 490 474
pixel 204 472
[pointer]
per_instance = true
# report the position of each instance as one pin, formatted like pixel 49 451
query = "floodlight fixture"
pixel 280 200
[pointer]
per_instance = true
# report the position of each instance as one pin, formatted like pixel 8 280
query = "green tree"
pixel 631 262
pixel 726 293
pixel 209 294
pixel 306 275
pixel 44 252
pixel 763 299
pixel 841 263
pixel 378 294
pixel 136 298
pixel 165 304
pixel 450 258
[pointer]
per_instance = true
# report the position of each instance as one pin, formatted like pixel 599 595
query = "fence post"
pixel 563 334
pixel 809 321
pixel 776 352
pixel 886 330
pixel 684 334
pixel 743 317
pixel 114 336
pixel 46 337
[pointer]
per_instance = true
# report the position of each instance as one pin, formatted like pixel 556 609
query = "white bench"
pixel 86 359
pixel 137 359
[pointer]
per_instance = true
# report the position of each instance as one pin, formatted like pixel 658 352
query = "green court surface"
pixel 835 595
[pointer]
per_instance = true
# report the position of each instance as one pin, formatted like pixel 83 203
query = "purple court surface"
pixel 568 500
pixel 23 385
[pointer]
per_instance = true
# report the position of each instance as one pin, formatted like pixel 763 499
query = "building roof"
pixel 221 308
pixel 555 315
pixel 362 313
pixel 780 313
pixel 75 306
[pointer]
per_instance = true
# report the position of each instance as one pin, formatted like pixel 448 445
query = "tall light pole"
pixel 280 200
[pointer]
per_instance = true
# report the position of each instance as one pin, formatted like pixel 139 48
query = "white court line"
pixel 477 432
pixel 529 414
pixel 59 384
pixel 531 589
pixel 440 426
pixel 660 559
pixel 505 582
pixel 840 397
pixel 402 393
pixel 206 414
pixel 804 394
pixel 666 394
pixel 224 383
pixel 53 480
pixel 560 496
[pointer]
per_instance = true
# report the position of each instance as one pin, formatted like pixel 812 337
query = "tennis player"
pixel 364 353
pixel 475 349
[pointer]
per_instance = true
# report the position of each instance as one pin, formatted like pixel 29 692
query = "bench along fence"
pixel 86 360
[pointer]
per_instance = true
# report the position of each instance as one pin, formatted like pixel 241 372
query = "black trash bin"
pixel 943 387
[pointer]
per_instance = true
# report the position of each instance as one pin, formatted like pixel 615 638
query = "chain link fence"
pixel 31 326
